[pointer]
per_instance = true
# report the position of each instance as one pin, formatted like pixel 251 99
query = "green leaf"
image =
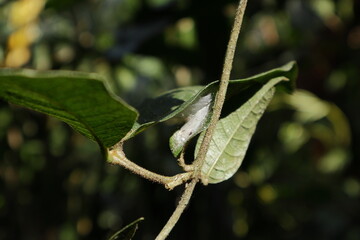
pixel 166 106
pixel 79 99
pixel 174 102
pixel 288 71
pixel 239 92
pixel 233 134
pixel 128 232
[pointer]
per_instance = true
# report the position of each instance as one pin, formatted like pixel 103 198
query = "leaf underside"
pixel 79 99
pixel 239 91
pixel 233 134
pixel 197 117
pixel 166 106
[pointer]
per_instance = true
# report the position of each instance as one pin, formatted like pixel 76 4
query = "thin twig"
pixel 117 156
pixel 182 163
pixel 220 96
pixel 184 201
pixel 219 102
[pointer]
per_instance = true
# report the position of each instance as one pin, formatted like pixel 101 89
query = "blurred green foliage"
pixel 301 176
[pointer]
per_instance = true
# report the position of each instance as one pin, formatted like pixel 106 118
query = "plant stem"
pixel 117 156
pixel 184 201
pixel 181 162
pixel 220 96
pixel 219 102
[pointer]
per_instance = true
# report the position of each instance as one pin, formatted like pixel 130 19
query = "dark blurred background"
pixel 301 176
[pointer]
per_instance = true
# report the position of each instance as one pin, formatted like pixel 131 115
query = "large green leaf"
pixel 233 134
pixel 79 99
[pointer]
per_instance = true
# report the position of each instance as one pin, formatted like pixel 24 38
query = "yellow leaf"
pixel 25 11
pixel 17 57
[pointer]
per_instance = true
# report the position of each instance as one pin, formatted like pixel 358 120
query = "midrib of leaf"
pixel 235 131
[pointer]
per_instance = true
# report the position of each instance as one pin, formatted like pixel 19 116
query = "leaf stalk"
pixel 117 156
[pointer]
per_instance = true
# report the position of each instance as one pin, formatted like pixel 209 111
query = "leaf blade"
pixel 242 89
pixel 232 136
pixel 79 99
pixel 166 106
pixel 177 100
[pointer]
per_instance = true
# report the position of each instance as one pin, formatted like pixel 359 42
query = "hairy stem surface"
pixel 219 102
pixel 117 156
pixel 184 201
pixel 220 96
